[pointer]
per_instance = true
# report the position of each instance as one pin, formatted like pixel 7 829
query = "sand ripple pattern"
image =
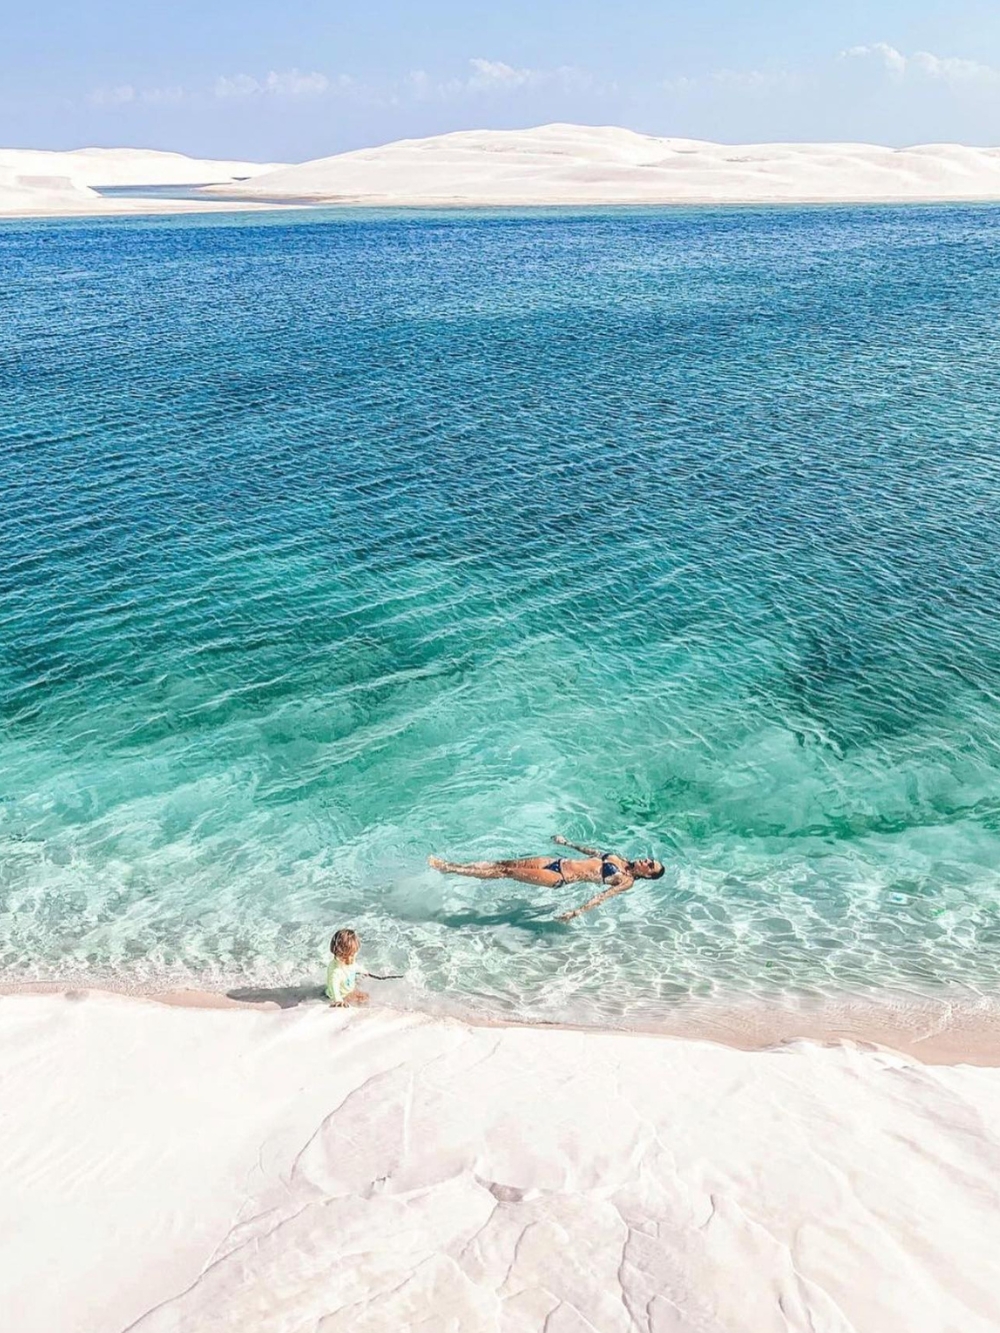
pixel 331 540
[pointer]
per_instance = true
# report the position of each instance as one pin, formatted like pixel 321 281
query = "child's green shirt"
pixel 340 980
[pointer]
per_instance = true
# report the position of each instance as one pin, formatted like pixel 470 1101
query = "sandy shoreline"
pixel 196 1170
pixel 126 208
pixel 120 206
pixel 934 1032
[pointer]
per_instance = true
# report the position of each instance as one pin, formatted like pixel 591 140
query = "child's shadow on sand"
pixel 285 997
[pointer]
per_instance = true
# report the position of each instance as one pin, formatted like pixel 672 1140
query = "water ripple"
pixel 333 540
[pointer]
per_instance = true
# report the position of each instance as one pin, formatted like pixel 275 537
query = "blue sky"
pixel 304 78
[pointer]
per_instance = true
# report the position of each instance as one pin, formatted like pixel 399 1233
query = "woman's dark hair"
pixel 653 874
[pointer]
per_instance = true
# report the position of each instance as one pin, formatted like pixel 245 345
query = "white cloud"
pixel 490 74
pixel 240 85
pixel 741 80
pixel 893 60
pixel 752 80
pixel 420 84
pixel 495 76
pixel 946 69
pixel 920 66
pixel 953 68
pixel 126 94
pixel 291 83
pixel 120 95
pixel 485 78
pixel 163 96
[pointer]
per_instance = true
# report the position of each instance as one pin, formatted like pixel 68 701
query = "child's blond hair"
pixel 344 944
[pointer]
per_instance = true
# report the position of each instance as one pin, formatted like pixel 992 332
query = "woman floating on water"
pixel 613 872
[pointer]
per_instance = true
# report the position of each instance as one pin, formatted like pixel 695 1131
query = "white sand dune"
pixel 36 181
pixel 578 164
pixel 174 1170
pixel 22 193
pixel 552 164
pixel 127 166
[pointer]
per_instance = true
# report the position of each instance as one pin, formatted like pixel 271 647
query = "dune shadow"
pixel 285 997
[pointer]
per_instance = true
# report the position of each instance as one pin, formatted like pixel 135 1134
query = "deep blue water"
pixel 332 539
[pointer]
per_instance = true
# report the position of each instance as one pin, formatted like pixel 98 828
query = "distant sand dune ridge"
pixel 577 164
pixel 39 182
pixel 551 164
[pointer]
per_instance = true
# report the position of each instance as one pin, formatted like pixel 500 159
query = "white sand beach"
pixel 547 165
pixel 191 1169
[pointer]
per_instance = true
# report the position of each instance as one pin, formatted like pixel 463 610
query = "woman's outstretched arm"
pixel 618 884
pixel 587 851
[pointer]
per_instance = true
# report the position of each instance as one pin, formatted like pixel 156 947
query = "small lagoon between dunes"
pixel 332 539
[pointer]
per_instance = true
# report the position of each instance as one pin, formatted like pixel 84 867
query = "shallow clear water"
pixel 330 540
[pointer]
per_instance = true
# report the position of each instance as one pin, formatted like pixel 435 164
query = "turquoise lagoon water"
pixel 330 540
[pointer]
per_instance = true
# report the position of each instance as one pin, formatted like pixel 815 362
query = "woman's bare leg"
pixel 527 869
pixel 477 869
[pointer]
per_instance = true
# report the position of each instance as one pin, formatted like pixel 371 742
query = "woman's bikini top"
pixel 607 869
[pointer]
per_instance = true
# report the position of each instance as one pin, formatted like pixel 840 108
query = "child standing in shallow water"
pixel 342 974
